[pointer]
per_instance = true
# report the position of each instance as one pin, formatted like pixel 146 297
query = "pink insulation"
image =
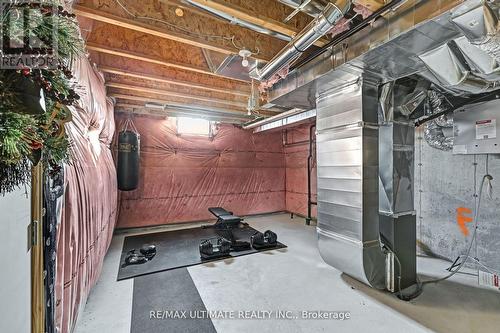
pixel 182 176
pixel 296 154
pixel 90 203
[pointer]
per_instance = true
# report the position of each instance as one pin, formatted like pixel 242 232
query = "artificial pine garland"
pixel 29 134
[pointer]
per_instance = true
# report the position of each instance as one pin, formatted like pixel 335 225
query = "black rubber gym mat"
pixel 168 302
pixel 177 249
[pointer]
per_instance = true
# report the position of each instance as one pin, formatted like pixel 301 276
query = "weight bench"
pixel 226 221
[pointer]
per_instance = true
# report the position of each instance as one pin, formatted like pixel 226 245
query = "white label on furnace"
pixel 486 129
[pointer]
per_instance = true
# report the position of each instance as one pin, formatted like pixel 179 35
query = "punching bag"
pixel 128 160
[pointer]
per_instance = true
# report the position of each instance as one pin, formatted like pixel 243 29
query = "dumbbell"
pixel 147 252
pixel 266 239
pixel 212 248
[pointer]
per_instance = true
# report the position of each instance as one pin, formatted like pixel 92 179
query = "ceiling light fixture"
pixel 244 53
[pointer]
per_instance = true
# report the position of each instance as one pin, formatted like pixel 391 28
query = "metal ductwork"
pixel 237 21
pixel 348 182
pixel 390 49
pixel 479 61
pixel 478 21
pixel 453 74
pixel 331 14
pixel 289 118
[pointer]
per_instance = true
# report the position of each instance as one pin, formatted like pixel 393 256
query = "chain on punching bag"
pixel 128 157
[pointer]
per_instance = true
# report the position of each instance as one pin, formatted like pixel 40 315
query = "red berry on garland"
pixel 36 145
pixel 26 71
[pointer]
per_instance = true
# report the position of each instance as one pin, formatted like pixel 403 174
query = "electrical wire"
pixel 174 26
pixel 489 269
pixel 486 177
pixel 420 284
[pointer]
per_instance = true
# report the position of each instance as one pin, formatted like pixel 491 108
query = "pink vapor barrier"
pixel 90 202
pixel 182 176
pixel 296 141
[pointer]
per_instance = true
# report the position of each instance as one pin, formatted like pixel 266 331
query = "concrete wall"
pixel 444 182
pixel 15 263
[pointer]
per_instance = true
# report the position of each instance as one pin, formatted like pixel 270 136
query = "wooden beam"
pixel 164 101
pixel 173 94
pixel 254 18
pixel 152 18
pixel 231 119
pixel 160 79
pixel 372 5
pixel 134 24
pixel 150 59
pixel 242 14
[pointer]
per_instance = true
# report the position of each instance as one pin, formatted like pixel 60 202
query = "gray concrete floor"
pixel 296 279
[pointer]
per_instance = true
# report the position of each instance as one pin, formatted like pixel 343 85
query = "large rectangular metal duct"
pixel 388 49
pixel 348 181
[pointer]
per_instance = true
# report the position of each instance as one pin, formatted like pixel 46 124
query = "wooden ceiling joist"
pixel 167 102
pixel 240 13
pixel 174 94
pixel 153 18
pixel 153 60
pixel 133 24
pixel 254 18
pixel 155 78
pixel 146 58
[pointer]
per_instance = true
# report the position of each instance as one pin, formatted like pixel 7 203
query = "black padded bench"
pixel 225 219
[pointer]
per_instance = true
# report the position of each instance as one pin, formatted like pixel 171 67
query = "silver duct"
pixel 390 49
pixel 304 39
pixel 348 182
pixel 452 73
pixel 479 22
pixel 282 120
pixel 237 21
pixel 479 61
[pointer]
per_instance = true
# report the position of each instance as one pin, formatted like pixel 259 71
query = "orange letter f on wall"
pixel 462 219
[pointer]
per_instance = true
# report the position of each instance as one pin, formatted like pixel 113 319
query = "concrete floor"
pixel 296 279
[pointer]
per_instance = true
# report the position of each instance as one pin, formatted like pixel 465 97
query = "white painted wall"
pixel 15 263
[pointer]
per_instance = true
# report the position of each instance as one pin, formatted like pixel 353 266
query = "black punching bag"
pixel 128 160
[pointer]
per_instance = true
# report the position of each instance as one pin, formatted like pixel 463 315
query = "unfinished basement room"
pixel 250 166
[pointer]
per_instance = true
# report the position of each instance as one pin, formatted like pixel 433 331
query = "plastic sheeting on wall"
pixel 90 202
pixel 182 176
pixel 296 154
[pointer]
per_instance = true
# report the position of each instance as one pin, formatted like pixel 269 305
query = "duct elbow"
pixel 481 25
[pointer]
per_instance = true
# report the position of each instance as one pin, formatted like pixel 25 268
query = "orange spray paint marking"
pixel 462 219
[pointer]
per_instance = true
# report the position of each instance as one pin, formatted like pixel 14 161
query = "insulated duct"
pixel 304 39
pixel 438 133
pixel 479 22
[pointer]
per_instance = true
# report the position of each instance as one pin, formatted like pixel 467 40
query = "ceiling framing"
pixel 149 54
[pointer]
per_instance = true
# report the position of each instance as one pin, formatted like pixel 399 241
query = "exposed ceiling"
pixel 167 52
pixel 150 54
